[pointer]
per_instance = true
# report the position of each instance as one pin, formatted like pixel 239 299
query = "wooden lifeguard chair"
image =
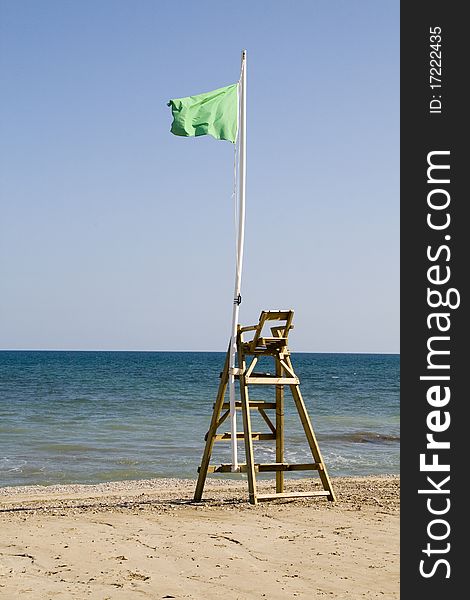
pixel 275 347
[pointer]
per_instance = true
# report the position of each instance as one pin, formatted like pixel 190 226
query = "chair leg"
pixel 279 428
pixel 212 431
pixel 250 461
pixel 312 440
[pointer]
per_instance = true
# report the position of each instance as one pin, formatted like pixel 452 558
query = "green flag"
pixel 214 113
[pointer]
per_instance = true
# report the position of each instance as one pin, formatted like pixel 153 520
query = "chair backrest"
pixel 279 331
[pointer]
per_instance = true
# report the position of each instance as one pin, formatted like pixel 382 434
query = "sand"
pixel 146 539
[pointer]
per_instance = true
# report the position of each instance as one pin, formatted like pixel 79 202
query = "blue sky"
pixel 114 234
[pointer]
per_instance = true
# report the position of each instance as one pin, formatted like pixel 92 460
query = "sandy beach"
pixel 146 539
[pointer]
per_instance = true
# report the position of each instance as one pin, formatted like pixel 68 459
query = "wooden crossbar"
pixel 224 437
pixel 266 467
pixel 293 495
pixel 267 420
pixel 272 380
pixel 256 404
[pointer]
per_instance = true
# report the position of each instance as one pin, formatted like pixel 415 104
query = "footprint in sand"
pixel 139 576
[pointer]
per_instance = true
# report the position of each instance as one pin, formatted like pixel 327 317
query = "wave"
pixel 63 448
pixel 12 429
pixel 362 437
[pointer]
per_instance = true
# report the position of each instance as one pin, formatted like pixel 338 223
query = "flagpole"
pixel 239 261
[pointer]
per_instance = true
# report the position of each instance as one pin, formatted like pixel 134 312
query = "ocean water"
pixel 89 417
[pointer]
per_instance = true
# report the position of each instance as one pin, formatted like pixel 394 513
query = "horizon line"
pixel 186 351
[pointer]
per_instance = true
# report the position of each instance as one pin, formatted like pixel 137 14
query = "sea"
pixel 91 417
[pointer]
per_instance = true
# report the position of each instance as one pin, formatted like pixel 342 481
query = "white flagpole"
pixel 239 261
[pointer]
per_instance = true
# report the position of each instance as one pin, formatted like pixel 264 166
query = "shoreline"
pixel 116 540
pixel 164 488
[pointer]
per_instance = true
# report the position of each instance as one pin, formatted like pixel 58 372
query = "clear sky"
pixel 115 234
